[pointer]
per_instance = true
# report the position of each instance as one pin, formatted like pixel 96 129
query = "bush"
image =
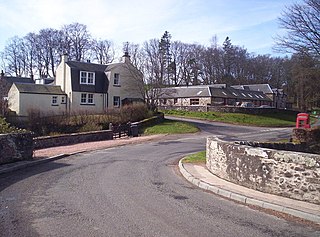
pixel 6 128
pixel 84 122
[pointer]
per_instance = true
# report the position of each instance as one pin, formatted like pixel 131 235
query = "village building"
pixel 211 95
pixel 79 87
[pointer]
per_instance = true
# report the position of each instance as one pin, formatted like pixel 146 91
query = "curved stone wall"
pixel 291 174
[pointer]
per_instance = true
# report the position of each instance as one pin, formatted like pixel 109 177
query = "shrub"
pixel 83 121
pixel 6 128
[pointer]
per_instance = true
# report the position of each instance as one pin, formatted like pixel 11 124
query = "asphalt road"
pixel 134 190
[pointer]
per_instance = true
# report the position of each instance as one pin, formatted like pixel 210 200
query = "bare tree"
pixel 307 81
pixel 30 52
pixel 136 54
pixel 49 42
pixel 14 57
pixel 102 51
pixel 77 41
pixel 302 22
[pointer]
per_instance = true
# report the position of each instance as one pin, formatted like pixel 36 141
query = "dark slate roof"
pixel 89 67
pixel 212 91
pixel 183 92
pixel 39 89
pixel 12 80
pixel 265 88
pixel 248 95
pixel 101 80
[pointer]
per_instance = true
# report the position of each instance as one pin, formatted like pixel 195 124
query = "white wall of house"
pixel 98 105
pixel 201 101
pixel 24 103
pixel 130 82
pixel 13 99
pixel 63 75
pixel 130 86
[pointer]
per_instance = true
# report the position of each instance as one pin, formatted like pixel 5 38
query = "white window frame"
pixel 87 99
pixel 90 98
pixel 116 79
pixel 87 78
pixel 83 98
pixel 116 101
pixel 54 100
pixel 63 100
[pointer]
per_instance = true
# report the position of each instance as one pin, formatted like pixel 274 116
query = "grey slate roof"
pixel 265 88
pixel 212 91
pixel 182 92
pixel 39 89
pixel 12 80
pixel 90 67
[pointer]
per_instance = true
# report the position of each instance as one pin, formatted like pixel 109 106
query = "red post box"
pixel 303 120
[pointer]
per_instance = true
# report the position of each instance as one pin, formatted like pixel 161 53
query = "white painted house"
pixel 80 87
pixel 24 98
pixel 95 87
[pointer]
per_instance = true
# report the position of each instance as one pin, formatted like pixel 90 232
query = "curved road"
pixel 134 190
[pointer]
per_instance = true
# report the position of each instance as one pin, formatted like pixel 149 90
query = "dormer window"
pixel 116 79
pixel 87 78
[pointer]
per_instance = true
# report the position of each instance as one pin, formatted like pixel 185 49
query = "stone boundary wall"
pixel 15 147
pixel 299 147
pixel 226 109
pixel 150 121
pixel 290 174
pixel 69 139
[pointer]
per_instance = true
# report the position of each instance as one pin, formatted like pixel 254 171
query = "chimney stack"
pixel 64 58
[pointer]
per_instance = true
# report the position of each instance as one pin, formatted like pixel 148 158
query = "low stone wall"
pixel 150 121
pixel 226 109
pixel 291 174
pixel 69 139
pixel 15 147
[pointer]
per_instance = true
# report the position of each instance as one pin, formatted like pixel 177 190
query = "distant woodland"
pixel 174 63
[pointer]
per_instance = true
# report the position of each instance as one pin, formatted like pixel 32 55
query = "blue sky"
pixel 248 23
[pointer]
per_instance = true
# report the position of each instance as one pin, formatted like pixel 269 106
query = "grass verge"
pixel 171 127
pixel 199 157
pixel 274 119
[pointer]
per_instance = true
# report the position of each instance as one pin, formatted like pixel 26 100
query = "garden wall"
pixel 290 174
pixel 74 138
pixel 15 147
pixel 226 109
pixel 69 139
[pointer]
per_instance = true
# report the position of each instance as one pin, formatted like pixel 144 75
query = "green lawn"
pixel 272 119
pixel 171 127
pixel 199 157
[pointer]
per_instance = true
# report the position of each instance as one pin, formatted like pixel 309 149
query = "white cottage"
pixel 24 98
pixel 80 87
pixel 95 87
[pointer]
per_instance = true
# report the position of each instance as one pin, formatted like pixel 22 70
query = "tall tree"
pixel 164 46
pixel 77 41
pixel 306 75
pixel 228 60
pixel 14 56
pixel 302 22
pixel 102 51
